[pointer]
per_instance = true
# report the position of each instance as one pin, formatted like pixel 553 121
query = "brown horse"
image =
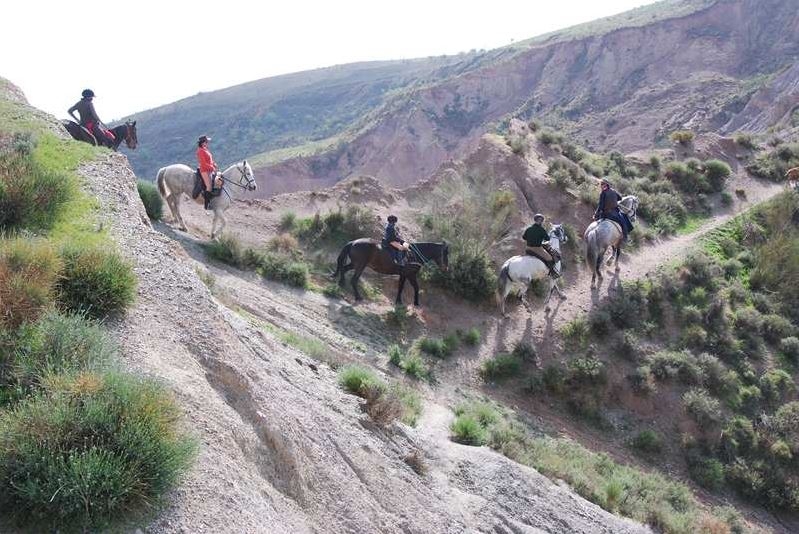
pixel 124 132
pixel 364 253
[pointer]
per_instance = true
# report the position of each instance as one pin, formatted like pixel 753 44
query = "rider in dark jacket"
pixel 608 207
pixel 393 242
pixel 537 240
pixel 90 120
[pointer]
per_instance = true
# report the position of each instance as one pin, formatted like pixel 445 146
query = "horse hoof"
pixel 563 297
pixel 547 309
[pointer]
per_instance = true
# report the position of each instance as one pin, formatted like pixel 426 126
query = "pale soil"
pixel 283 449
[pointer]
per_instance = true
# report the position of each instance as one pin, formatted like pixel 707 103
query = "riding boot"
pixel 207 197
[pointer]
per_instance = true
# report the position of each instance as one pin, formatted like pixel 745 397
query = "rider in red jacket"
pixel 207 166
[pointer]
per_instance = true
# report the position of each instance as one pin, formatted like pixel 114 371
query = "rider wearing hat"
pixel 207 167
pixel 89 119
pixel 394 243
pixel 608 207
pixel 537 240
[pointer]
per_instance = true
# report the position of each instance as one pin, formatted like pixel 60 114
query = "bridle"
pixel 243 176
pixel 130 141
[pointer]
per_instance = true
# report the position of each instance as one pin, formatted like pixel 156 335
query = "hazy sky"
pixel 141 54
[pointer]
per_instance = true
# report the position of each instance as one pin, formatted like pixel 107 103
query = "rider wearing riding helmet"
pixel 608 207
pixel 207 167
pixel 394 243
pixel 537 240
pixel 89 119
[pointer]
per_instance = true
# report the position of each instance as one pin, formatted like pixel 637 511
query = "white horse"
pixel 603 234
pixel 176 179
pixel 519 271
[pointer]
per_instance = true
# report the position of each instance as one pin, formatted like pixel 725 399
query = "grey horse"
pixel 174 180
pixel 519 271
pixel 603 234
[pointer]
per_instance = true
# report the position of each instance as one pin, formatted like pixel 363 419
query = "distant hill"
pixel 623 82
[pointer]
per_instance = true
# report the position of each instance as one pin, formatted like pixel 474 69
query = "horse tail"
pixel 161 181
pixel 502 283
pixel 341 259
pixel 591 250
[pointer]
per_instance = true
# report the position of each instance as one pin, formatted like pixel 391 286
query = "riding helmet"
pixel 538 217
pixel 203 139
pixel 87 93
pixel 392 218
pixel 604 181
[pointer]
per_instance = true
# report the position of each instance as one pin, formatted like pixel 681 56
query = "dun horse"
pixel 603 234
pixel 177 179
pixel 519 271
pixel 361 253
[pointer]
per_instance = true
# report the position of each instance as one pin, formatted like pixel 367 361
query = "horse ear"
pixel 134 123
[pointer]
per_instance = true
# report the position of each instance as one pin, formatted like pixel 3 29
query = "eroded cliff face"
pixel 625 90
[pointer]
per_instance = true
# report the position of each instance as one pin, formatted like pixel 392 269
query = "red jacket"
pixel 206 160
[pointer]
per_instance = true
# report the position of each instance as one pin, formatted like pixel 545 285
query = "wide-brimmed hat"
pixel 203 139
pixel 538 216
pixel 604 181
pixel 87 93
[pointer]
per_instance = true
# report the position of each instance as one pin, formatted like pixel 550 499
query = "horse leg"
pixel 549 295
pixel 178 216
pixel 401 286
pixel 344 269
pixel 415 284
pixel 617 250
pixel 222 223
pixel 354 282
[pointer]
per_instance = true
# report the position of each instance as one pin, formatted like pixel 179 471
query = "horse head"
pixel 629 205
pixel 558 233
pixel 130 135
pixel 247 174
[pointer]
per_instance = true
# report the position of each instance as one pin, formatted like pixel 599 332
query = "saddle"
pixel 199 185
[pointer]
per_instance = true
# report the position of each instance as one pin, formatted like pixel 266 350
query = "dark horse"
pixel 364 253
pixel 126 132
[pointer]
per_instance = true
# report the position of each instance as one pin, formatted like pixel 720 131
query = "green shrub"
pixel 90 451
pixel 683 137
pixel 775 385
pixel 524 352
pixel 707 472
pixel 502 366
pixel 283 269
pixel 29 269
pixel 60 343
pixel 226 249
pixel 726 199
pixel 337 226
pixel 153 204
pixel 648 441
pixel 435 347
pixel 470 275
pixel 682 365
pixel 600 321
pixel 31 196
pixel 703 408
pixel 415 366
pixel 356 379
pixel 576 331
pixel 776 327
pixel 739 436
pixel 746 140
pixel 472 337
pixel 548 137
pixel 717 172
pixel 95 281
pixel 287 221
pixel 395 355
pixel 554 378
pixel 694 336
pixel 467 429
pixel 789 347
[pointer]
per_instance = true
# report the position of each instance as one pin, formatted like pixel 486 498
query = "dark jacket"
pixel 608 204
pixel 535 235
pixel 391 235
pixel 85 109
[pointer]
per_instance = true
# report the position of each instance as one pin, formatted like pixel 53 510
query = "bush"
pixel 337 226
pixel 776 327
pixel 31 196
pixel 285 243
pixel 472 337
pixel 717 172
pixel 29 269
pixel 746 140
pixel 576 331
pixel 89 451
pixel 395 355
pixel 282 269
pixel 468 430
pixel 502 366
pixel 586 372
pixel 703 408
pixel 707 472
pixel 226 249
pixel 789 347
pixel 648 441
pixel 95 281
pixel 726 199
pixel 415 366
pixel 287 221
pixel 153 204
pixel 435 347
pixel 524 352
pixel 470 275
pixel 683 137
pixel 775 385
pixel 356 379
pixel 683 365
pixel 60 343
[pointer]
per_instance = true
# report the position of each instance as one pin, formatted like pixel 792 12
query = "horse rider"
pixel 207 166
pixel 396 246
pixel 608 207
pixel 537 240
pixel 89 119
